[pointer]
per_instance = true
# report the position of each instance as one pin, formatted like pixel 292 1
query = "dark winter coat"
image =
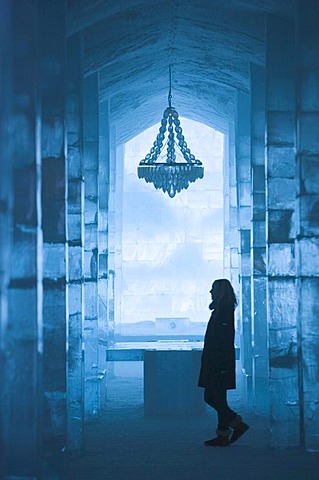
pixel 218 357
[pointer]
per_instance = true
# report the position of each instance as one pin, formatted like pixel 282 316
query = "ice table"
pixel 171 369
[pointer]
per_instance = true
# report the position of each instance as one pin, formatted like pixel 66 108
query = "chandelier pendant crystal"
pixel 170 176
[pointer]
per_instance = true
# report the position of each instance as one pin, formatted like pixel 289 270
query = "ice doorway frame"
pixel 229 253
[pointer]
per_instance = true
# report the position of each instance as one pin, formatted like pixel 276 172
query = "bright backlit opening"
pixel 172 249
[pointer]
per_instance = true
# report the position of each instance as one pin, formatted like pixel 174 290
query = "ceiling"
pixel 209 43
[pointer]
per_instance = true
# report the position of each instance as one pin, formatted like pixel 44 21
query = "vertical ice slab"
pixel 21 283
pixel 258 243
pixel 243 175
pixel 91 258
pixel 307 244
pixel 280 194
pixel 75 229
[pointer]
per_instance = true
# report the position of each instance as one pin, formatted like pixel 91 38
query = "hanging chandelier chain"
pixel 170 87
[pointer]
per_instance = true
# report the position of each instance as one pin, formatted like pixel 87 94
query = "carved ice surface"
pixel 172 249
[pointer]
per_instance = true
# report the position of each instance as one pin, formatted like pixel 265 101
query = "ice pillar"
pixel 53 152
pixel 5 197
pixel 75 236
pixel 91 258
pixel 231 236
pixel 21 286
pixel 230 219
pixel 104 182
pixel 280 226
pixel 226 168
pixel 230 227
pixel 243 172
pixel 117 208
pixel 258 243
pixel 111 236
pixel 307 238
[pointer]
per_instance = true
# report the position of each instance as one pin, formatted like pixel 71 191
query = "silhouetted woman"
pixel 217 373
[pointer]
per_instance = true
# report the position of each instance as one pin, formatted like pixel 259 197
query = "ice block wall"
pixel 91 242
pixel 75 229
pixel 54 218
pixel 243 171
pixel 307 244
pixel 258 243
pixel 281 197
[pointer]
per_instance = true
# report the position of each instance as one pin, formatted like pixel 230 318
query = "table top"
pixel 158 345
pixel 134 351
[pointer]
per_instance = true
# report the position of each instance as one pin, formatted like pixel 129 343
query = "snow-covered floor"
pixel 124 445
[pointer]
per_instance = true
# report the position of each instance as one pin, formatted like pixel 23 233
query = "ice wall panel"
pixel 244 182
pixel 21 243
pixel 281 161
pixel 307 144
pixel 309 333
pixel 91 242
pixel 280 224
pixel 310 174
pixel 281 259
pixel 75 225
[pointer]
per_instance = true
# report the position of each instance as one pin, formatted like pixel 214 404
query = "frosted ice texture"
pixel 172 249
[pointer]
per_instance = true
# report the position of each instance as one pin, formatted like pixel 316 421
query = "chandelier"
pixel 171 176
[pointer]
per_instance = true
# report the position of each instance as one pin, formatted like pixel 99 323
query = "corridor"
pixel 148 148
pixel 124 445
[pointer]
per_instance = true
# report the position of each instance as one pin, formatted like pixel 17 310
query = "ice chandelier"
pixel 171 176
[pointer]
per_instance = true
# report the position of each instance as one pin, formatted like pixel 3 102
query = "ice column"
pixel 5 198
pixel 229 227
pixel 243 171
pixel 280 226
pixel 307 242
pixel 116 239
pixel 231 234
pixel 91 171
pixel 21 293
pixel 75 234
pixel 111 235
pixel 258 243
pixel 104 182
pixel 53 152
pixel 226 168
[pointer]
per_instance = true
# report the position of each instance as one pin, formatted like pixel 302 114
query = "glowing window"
pixel 172 249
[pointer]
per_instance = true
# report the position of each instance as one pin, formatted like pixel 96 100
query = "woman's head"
pixel 222 293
